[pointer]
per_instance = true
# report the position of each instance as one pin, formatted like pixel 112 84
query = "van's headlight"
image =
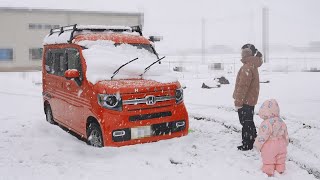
pixel 179 95
pixel 110 101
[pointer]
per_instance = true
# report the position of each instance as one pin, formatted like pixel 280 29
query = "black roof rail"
pixel 61 31
pixel 71 35
pixel 137 29
pixel 51 32
pixel 74 28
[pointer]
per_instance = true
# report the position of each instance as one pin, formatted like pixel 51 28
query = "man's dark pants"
pixel 249 132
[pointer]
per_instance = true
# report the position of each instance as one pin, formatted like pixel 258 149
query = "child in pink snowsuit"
pixel 272 139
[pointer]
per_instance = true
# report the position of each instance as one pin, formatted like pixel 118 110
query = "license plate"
pixel 140 132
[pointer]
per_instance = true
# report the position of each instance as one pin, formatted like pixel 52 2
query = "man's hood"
pixel 254 60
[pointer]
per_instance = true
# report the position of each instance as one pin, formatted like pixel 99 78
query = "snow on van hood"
pixel 133 86
pixel 103 58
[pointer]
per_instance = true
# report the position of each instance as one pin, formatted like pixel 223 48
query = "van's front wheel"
pixel 49 116
pixel 94 135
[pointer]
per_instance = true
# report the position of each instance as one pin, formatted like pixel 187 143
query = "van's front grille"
pixel 150 116
pixel 149 100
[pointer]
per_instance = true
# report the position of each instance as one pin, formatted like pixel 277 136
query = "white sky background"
pixel 228 22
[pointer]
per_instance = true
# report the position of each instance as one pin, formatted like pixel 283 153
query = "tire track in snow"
pixel 293 141
pixel 311 170
pixel 232 109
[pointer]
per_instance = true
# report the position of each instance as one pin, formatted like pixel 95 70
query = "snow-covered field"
pixel 31 148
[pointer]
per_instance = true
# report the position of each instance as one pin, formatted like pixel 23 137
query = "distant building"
pixel 22 31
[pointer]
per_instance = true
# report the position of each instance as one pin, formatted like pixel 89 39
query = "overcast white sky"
pixel 228 22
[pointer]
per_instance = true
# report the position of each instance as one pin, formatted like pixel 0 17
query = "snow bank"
pixel 103 58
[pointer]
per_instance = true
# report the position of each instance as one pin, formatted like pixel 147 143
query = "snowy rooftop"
pixel 113 7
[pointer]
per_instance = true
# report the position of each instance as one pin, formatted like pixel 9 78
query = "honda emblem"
pixel 151 100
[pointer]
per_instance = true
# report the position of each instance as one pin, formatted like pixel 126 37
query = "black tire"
pixel 49 115
pixel 94 135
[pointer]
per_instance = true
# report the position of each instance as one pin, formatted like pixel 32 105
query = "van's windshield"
pixel 105 57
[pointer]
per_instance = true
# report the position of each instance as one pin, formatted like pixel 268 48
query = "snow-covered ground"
pixel 31 148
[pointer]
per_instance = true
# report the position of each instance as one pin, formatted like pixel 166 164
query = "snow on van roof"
pixel 58 37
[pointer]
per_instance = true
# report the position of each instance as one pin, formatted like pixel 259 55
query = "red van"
pixel 111 111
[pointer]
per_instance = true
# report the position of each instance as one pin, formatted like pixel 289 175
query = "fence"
pixel 230 64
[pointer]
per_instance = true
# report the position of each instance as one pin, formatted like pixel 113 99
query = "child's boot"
pixel 268 169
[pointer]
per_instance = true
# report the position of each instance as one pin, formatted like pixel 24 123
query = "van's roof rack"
pixel 77 28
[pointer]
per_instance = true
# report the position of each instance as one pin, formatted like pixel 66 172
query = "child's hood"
pixel 269 109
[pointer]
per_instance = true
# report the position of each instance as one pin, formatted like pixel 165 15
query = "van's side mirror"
pixel 72 73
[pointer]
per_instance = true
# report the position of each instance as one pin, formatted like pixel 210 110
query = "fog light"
pixel 119 133
pixel 180 124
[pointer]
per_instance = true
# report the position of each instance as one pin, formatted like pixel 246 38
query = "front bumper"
pixel 164 123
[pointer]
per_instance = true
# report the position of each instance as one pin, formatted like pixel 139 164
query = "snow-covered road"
pixel 31 148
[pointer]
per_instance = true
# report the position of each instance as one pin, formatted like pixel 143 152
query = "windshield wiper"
pixel 147 68
pixel 116 71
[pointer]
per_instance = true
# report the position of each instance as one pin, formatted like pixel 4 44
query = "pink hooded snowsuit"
pixel 272 139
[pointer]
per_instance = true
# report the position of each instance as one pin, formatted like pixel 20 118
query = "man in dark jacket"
pixel 246 94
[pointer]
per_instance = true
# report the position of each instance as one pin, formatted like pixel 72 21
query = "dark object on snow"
pixel 204 86
pixel 306 126
pixel 265 81
pixel 222 80
pixel 249 132
pixel 175 162
pixel 178 69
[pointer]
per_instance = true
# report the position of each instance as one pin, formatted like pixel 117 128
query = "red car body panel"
pixel 73 105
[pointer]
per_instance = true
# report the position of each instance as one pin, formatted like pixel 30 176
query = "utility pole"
pixel 203 50
pixel 265 33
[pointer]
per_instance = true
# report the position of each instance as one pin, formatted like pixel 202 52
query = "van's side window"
pixel 60 60
pixel 73 58
pixel 60 63
pixel 49 62
pixel 63 66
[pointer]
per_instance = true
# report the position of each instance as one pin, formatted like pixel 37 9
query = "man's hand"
pixel 237 108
